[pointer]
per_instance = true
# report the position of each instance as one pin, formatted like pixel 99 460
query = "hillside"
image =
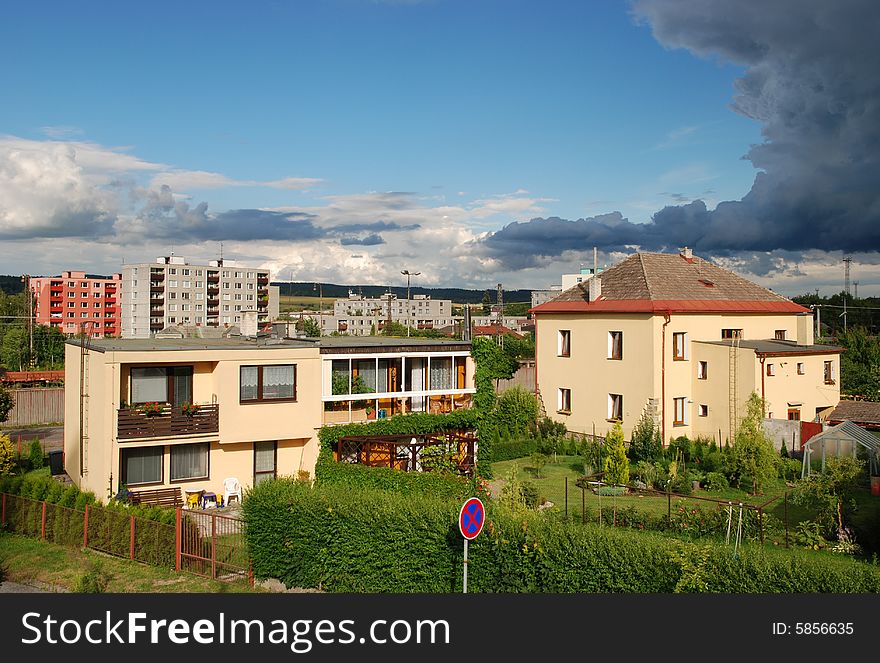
pixel 457 295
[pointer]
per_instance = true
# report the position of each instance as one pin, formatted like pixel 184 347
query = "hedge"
pixel 513 449
pixel 328 472
pixel 345 539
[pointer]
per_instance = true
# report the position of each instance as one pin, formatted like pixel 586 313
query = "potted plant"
pixel 189 409
pixel 152 409
pixel 371 412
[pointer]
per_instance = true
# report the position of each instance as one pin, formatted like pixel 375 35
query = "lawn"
pixel 289 303
pixel 30 561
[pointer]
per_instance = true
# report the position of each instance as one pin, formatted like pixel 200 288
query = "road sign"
pixel 471 518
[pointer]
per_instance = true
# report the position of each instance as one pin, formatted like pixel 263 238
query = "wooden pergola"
pixel 403 452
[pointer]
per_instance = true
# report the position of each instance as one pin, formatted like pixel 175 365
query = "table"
pixel 209 500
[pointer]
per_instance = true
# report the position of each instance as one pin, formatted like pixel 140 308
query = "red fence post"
pixel 214 546
pixel 131 541
pixel 86 528
pixel 251 574
pixel 43 524
pixel 177 541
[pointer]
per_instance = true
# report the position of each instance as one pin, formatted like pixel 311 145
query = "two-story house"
pixel 684 340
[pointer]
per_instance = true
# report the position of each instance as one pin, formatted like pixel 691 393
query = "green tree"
pixel 831 492
pixel 35 454
pixel 517 409
pixel 8 456
pixel 6 403
pixel 645 442
pixel 616 463
pixel 15 349
pixel 487 303
pixel 860 364
pixel 310 326
pixel 491 364
pixel 753 458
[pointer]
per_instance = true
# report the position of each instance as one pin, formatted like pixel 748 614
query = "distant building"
pixel 172 291
pixel 357 315
pixel 75 302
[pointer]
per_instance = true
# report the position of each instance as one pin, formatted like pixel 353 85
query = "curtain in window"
pixel 189 461
pixel 148 384
pixel 248 383
pixel 416 382
pixel 278 381
pixel 264 461
pixel 382 377
pixel 441 373
pixel 142 465
pixel 367 372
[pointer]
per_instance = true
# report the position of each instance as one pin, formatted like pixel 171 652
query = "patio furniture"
pixel 193 498
pixel 209 500
pixel 231 488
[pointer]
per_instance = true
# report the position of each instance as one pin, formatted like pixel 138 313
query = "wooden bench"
pixel 158 497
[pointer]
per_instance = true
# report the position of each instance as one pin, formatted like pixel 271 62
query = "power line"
pixel 848 308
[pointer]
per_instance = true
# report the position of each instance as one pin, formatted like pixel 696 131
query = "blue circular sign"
pixel 471 518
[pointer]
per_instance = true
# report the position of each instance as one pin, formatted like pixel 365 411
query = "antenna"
pixel 855 289
pixel 846 263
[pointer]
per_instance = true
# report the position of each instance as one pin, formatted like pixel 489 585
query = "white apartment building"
pixel 172 291
pixel 359 316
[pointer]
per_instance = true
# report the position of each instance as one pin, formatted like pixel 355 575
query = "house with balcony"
pixel 190 412
pixel 684 340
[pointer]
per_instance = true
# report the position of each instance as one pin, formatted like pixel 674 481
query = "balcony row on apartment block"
pixel 191 412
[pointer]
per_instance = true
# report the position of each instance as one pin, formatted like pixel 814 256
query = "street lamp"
pixel 408 274
pixel 320 288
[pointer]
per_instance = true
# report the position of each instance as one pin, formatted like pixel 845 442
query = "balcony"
pixel 156 289
pixel 157 276
pixel 213 290
pixel 133 424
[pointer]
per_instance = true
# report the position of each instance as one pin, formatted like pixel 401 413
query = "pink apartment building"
pixel 74 302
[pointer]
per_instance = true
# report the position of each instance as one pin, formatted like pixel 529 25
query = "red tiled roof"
pixel 491 330
pixel 659 282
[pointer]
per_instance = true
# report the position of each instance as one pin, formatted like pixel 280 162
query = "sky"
pixel 476 142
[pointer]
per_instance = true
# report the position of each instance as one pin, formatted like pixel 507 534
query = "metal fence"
pixel 200 542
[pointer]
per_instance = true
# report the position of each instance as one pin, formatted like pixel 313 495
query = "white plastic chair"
pixel 231 487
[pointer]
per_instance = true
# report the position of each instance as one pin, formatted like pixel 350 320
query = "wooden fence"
pixel 36 406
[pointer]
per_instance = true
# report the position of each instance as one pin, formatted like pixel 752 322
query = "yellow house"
pixel 192 412
pixel 683 340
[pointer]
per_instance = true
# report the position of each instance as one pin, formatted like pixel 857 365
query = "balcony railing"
pixel 134 424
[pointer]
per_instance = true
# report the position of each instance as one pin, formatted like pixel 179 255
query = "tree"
pixel 616 464
pixel 487 303
pixel 645 442
pixel 6 403
pixel 517 409
pixel 753 458
pixel 831 491
pixel 310 326
pixel 8 456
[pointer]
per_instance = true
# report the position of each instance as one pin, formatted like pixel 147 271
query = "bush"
pixel 715 481
pixel 8 456
pixel 513 449
pixel 347 540
pixel 94 581
pixel 35 454
pixel 790 469
pixel 610 491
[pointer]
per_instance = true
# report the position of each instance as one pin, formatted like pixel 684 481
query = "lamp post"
pixel 320 288
pixel 408 274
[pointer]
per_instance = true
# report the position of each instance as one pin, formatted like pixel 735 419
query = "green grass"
pixel 29 561
pixel 289 303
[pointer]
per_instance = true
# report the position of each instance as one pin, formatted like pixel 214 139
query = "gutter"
pixel 763 402
pixel 668 319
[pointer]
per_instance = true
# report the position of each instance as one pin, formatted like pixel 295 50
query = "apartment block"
pixel 172 291
pixel 360 316
pixel 76 302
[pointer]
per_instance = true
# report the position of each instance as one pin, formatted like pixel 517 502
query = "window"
pixel 172 283
pixel 265 383
pixel 141 465
pixel 779 334
pixel 563 348
pixel 172 271
pixel 680 418
pixel 829 372
pixel 165 384
pixel 679 346
pixel 184 295
pixel 237 297
pixel 703 370
pixel 238 286
pixel 184 272
pixel 731 333
pixel 794 414
pixel 186 284
pixel 615 407
pixel 265 461
pixel 704 410
pixel 615 345
pixel 771 370
pixel 189 461
pixel 800 368
pixel 564 401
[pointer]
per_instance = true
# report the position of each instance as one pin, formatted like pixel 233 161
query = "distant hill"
pixel 11 285
pixel 457 295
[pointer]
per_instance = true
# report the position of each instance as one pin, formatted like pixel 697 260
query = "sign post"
pixel 470 524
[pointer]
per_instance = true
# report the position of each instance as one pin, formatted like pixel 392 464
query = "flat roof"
pixel 326 344
pixel 773 347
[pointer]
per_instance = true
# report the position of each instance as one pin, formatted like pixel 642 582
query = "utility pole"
pixel 500 315
pixel 320 288
pixel 846 263
pixel 26 279
pixel 855 289
pixel 408 274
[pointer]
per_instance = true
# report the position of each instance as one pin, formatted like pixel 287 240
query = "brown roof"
pixel 646 281
pixel 860 412
pixel 491 330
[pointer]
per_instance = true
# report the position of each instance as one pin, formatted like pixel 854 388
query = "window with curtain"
pixel 141 465
pixel 382 377
pixel 264 461
pixel 366 371
pixel 267 383
pixel 189 461
pixel 149 384
pixel 441 373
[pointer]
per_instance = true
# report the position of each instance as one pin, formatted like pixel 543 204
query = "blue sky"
pixel 478 114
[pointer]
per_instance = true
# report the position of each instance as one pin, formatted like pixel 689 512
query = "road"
pixel 51 437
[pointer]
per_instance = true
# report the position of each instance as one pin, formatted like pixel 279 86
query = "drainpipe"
pixel 763 359
pixel 667 318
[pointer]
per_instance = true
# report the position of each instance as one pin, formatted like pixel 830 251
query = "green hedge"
pixel 359 540
pixel 328 473
pixel 513 449
pixel 415 423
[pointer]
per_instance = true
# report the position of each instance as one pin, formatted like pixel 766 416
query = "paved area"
pixel 51 437
pixel 18 588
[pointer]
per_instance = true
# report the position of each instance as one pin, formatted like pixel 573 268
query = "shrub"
pixel 610 491
pixel 8 456
pixel 94 581
pixel 512 449
pixel 645 443
pixel 646 472
pixel 35 454
pixel 753 461
pixel 715 481
pixel 790 469
pixel 530 495
pixel 616 464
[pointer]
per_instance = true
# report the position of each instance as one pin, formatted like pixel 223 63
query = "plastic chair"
pixel 194 498
pixel 231 488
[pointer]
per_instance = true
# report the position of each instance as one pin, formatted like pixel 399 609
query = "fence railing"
pixel 133 424
pixel 200 542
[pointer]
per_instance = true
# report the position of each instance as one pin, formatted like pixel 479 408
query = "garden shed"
pixel 842 440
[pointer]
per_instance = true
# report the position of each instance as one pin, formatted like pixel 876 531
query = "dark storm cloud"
pixel 373 227
pixel 811 81
pixel 370 240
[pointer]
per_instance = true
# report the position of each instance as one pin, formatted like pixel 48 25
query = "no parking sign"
pixel 470 523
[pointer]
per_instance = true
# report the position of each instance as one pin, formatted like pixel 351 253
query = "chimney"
pixel 687 253
pixel 805 329
pixel 595 260
pixel 249 324
pixel 595 288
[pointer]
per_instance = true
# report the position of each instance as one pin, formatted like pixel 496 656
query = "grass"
pixel 29 561
pixel 290 303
